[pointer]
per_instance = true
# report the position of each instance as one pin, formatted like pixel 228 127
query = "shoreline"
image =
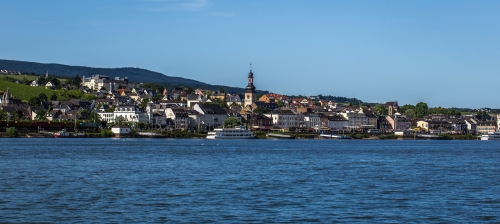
pixel 372 138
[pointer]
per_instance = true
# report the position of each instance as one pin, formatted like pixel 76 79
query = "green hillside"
pixel 23 92
pixel 28 77
pixel 136 75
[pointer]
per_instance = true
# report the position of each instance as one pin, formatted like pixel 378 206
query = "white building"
pixel 213 114
pixel 193 99
pixel 120 130
pixel 96 82
pixel 310 120
pixel 179 118
pixel 356 119
pixel 129 113
pixel 337 122
pixel 49 85
pixel 284 118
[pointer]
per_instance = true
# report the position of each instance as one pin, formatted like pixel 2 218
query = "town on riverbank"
pixel 43 106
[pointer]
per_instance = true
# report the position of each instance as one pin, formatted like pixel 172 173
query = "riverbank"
pixel 258 135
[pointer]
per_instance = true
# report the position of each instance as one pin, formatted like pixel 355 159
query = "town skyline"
pixel 442 53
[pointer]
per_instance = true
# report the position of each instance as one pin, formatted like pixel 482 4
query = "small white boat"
pixel 62 134
pixel 280 136
pixel 491 136
pixel 431 136
pixel 230 133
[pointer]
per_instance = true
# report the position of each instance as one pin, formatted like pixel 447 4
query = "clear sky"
pixel 445 53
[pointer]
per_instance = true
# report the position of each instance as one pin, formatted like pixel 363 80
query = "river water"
pixel 257 181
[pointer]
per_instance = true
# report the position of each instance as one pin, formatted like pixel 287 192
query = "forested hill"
pixel 137 75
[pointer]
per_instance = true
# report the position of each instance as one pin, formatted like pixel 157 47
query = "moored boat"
pixel 429 136
pixel 491 136
pixel 334 136
pixel 281 136
pixel 230 133
pixel 62 134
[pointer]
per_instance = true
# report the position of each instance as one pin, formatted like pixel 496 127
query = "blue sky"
pixel 445 53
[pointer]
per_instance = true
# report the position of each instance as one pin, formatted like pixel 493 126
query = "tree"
pixel 99 105
pixel 410 112
pixel 208 93
pixel 381 110
pixel 34 101
pixel 53 96
pixel 261 110
pixel 110 109
pixel 406 107
pixel 120 119
pixel 280 104
pixel 88 96
pixel 41 80
pixel 481 115
pixel 94 117
pixel 25 81
pixel 42 97
pixel 221 90
pixel 421 109
pixel 144 103
pixel 76 81
pixel 3 115
pixel 41 115
pixel 231 122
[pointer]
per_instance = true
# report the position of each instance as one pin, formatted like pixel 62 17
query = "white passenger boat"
pixel 491 136
pixel 335 136
pixel 230 133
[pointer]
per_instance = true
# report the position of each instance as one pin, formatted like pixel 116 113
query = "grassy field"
pixel 28 77
pixel 20 77
pixel 23 92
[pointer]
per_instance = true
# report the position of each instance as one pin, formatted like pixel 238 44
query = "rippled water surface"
pixel 199 181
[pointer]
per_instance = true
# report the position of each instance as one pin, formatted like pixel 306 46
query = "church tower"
pixel 250 94
pixel 6 97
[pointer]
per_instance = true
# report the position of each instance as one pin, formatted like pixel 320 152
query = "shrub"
pixel 260 134
pixel 391 136
pixel 12 132
pixel 356 136
pixel 106 133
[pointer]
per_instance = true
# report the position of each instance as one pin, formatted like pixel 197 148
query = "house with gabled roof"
pixel 337 122
pixel 234 99
pixel 260 122
pixel 193 99
pixel 214 114
pixel 268 106
pixel 272 97
pixel 309 120
pixel 177 118
pixel 284 118
pixel 50 85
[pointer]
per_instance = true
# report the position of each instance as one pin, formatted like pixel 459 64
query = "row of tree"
pixel 419 110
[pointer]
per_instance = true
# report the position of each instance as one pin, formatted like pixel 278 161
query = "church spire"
pixel 250 94
pixel 250 86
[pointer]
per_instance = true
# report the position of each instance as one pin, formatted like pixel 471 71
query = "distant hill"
pixel 137 75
